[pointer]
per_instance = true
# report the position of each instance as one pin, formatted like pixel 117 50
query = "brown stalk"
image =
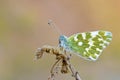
pixel 62 58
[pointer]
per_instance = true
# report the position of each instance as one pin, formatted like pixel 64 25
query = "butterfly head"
pixel 63 42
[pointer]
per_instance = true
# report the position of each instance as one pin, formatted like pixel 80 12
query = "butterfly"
pixel 88 45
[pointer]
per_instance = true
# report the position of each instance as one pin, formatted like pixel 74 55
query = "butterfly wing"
pixel 89 45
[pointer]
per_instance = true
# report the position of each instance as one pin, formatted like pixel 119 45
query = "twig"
pixel 61 55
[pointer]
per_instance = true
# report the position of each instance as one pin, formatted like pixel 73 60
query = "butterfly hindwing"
pixel 89 45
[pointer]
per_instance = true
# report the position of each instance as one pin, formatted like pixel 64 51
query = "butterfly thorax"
pixel 63 42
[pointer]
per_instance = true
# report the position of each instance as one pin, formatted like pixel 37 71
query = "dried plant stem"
pixel 62 58
pixel 52 69
pixel 75 74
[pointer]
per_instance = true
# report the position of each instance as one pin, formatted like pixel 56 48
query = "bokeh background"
pixel 24 28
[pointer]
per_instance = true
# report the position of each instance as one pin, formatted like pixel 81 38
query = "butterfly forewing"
pixel 89 45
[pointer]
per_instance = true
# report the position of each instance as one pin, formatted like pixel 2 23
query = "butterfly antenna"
pixel 52 24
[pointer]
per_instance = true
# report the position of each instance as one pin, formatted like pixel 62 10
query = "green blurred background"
pixel 23 28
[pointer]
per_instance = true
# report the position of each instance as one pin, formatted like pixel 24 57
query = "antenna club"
pixel 50 21
pixel 52 24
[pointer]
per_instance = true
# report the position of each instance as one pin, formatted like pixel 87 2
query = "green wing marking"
pixel 89 45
